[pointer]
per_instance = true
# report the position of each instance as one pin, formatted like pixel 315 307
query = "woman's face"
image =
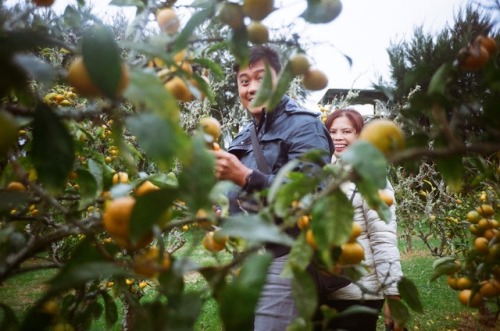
pixel 343 134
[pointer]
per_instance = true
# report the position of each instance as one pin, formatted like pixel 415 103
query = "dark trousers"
pixel 352 322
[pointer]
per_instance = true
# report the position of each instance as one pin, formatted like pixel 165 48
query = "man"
pixel 284 134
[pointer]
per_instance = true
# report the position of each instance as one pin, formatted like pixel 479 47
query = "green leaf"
pixel 300 255
pixel 214 67
pixel 146 90
pixel 304 293
pixel 265 90
pixel 367 161
pixel 444 266
pixel 53 151
pixel 398 310
pixel 440 79
pixel 246 287
pixel 110 309
pixel 37 69
pixel 197 177
pixel 85 272
pixel 9 320
pixel 451 168
pixel 357 309
pixel 72 17
pixel 148 210
pixel 331 220
pixel 161 139
pixel 369 191
pixel 104 66
pixel 281 177
pixel 87 186
pixel 195 21
pixel 293 190
pixel 282 87
pixel 409 293
pixel 254 230
pixel 97 172
pixel 321 11
pixel 239 46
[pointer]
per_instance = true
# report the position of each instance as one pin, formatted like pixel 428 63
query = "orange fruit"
pixel 257 10
pixel 310 239
pixel 179 89
pixel 481 245
pixel 79 78
pixel 210 126
pixel 473 58
pixel 184 66
pixel 232 15
pixel 386 197
pixel 484 224
pixel 452 282
pixel 299 64
pixel 352 253
pixel 16 187
pixel 120 178
pixel 494 251
pixel 43 3
pixel 213 242
pixel 117 215
pixel 490 233
pixel 489 290
pixel 145 188
pixel 384 134
pixel 167 20
pixel 148 264
pixel 303 222
pixel 485 210
pixel 355 231
pixel 489 43
pixel 473 216
pixel 215 146
pixel 475 230
pixel 468 299
pixel 116 221
pixel 257 33
pixel 314 80
pixel 464 283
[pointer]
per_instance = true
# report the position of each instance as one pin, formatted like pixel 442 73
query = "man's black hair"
pixel 266 53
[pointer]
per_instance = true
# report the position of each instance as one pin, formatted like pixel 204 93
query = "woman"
pixel 378 238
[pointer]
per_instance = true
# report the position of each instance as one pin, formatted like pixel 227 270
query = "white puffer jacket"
pixel 379 240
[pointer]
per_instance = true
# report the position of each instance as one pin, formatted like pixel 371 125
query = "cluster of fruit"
pixel 233 14
pixel 60 96
pixel 351 252
pixel 477 54
pixel 118 211
pixel 177 78
pixel 478 279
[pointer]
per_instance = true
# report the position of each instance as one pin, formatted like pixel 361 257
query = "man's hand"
pixel 228 167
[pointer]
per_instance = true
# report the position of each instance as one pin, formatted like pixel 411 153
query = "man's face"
pixel 249 80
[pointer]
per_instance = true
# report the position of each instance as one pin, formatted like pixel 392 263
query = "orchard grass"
pixel 442 310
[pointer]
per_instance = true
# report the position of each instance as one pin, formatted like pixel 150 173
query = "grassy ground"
pixel 442 311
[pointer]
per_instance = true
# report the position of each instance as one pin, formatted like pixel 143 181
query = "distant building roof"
pixel 364 97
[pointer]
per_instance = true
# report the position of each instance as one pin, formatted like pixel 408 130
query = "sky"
pixel 363 31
